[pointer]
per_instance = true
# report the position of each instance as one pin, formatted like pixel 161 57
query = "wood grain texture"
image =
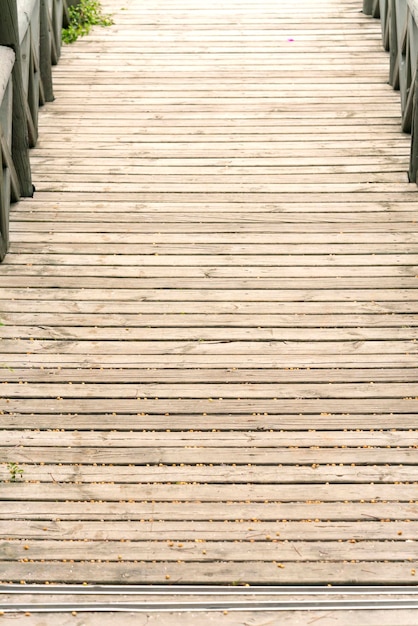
pixel 209 341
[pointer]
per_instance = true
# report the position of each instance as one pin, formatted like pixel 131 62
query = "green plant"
pixel 82 17
pixel 15 471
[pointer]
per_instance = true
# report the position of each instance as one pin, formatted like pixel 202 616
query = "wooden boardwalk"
pixel 209 355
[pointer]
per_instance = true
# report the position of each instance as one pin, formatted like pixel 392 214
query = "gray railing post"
pixel 9 36
pixel 7 58
pixel 393 48
pixel 45 56
pixel 29 42
pixel 367 7
pixel 371 7
pixel 413 163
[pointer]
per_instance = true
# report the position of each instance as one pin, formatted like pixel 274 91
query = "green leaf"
pixel 82 17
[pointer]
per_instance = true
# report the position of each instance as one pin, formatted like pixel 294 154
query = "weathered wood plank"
pixel 277 207
pixel 401 617
pixel 228 238
pixel 385 258
pixel 207 454
pixel 17 322
pixel 193 511
pixel 236 422
pixel 181 361
pixel 257 283
pixel 210 405
pixel 212 573
pixel 212 348
pixel 311 439
pixel 139 389
pixel 222 334
pixel 204 295
pixel 271 549
pixel 246 531
pixel 219 376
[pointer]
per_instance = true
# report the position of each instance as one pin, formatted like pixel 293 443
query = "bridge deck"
pixel 209 307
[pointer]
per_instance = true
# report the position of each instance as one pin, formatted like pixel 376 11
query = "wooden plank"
pixel 139 390
pixel 226 376
pixel 382 116
pixel 17 322
pixel 245 531
pixel 205 295
pixel 180 473
pixel 402 617
pixel 212 348
pixel 237 422
pixel 185 594
pixel 190 511
pixel 304 440
pixel 208 179
pixel 260 239
pixel 256 284
pixel 218 269
pixel 372 618
pixel 203 454
pixel 201 197
pixel 213 573
pixel 190 221
pixel 385 258
pixel 271 549
pixel 181 361
pixel 245 204
pixel 389 309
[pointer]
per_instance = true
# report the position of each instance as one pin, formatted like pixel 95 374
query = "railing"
pixel 7 191
pixel 399 22
pixel 30 43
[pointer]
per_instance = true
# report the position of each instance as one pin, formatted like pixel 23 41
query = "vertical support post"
pixel 368 7
pixel 371 7
pixel 9 36
pixel 4 213
pixel 4 217
pixel 393 46
pixel 9 184
pixel 413 162
pixel 59 19
pixel 65 14
pixel 45 53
